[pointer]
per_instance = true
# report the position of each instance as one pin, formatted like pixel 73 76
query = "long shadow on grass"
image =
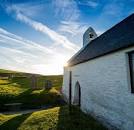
pixel 76 120
pixel 15 122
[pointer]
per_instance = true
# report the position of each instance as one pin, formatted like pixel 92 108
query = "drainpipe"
pixel 70 90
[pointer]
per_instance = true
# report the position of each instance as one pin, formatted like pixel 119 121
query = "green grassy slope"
pixel 18 89
pixel 7 71
pixel 57 118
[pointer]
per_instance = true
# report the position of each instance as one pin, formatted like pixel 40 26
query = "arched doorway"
pixel 77 94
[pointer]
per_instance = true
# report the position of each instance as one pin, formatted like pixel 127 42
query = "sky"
pixel 39 36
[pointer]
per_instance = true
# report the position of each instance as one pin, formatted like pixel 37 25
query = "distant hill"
pixel 15 72
pixel 8 71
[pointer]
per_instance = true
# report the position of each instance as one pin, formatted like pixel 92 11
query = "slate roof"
pixel 118 37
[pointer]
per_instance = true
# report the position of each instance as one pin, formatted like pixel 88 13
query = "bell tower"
pixel 88 36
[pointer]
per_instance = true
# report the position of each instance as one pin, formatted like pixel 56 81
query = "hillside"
pixel 19 89
pixel 7 71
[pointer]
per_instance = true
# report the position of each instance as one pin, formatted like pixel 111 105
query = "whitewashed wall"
pixel 105 88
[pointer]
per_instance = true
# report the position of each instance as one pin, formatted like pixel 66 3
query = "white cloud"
pixel 15 40
pixel 66 9
pixel 57 38
pixel 31 9
pixel 89 3
pixel 25 55
pixel 19 47
pixel 74 28
pixel 92 4
pixel 21 54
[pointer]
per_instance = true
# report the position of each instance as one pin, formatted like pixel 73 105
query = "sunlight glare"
pixel 56 67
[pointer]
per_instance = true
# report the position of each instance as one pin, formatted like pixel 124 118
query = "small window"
pixel 131 64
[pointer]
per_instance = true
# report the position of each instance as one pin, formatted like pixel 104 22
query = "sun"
pixel 53 68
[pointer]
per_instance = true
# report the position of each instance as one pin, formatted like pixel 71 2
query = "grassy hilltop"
pixel 7 71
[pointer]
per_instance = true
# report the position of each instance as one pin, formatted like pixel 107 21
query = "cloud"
pixel 21 54
pixel 30 9
pixel 19 41
pixel 89 3
pixel 92 4
pixel 74 28
pixel 66 9
pixel 57 38
pixel 22 47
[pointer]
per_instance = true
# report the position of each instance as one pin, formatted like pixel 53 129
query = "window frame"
pixel 131 69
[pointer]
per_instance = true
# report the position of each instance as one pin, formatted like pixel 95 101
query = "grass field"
pixel 18 89
pixel 57 118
